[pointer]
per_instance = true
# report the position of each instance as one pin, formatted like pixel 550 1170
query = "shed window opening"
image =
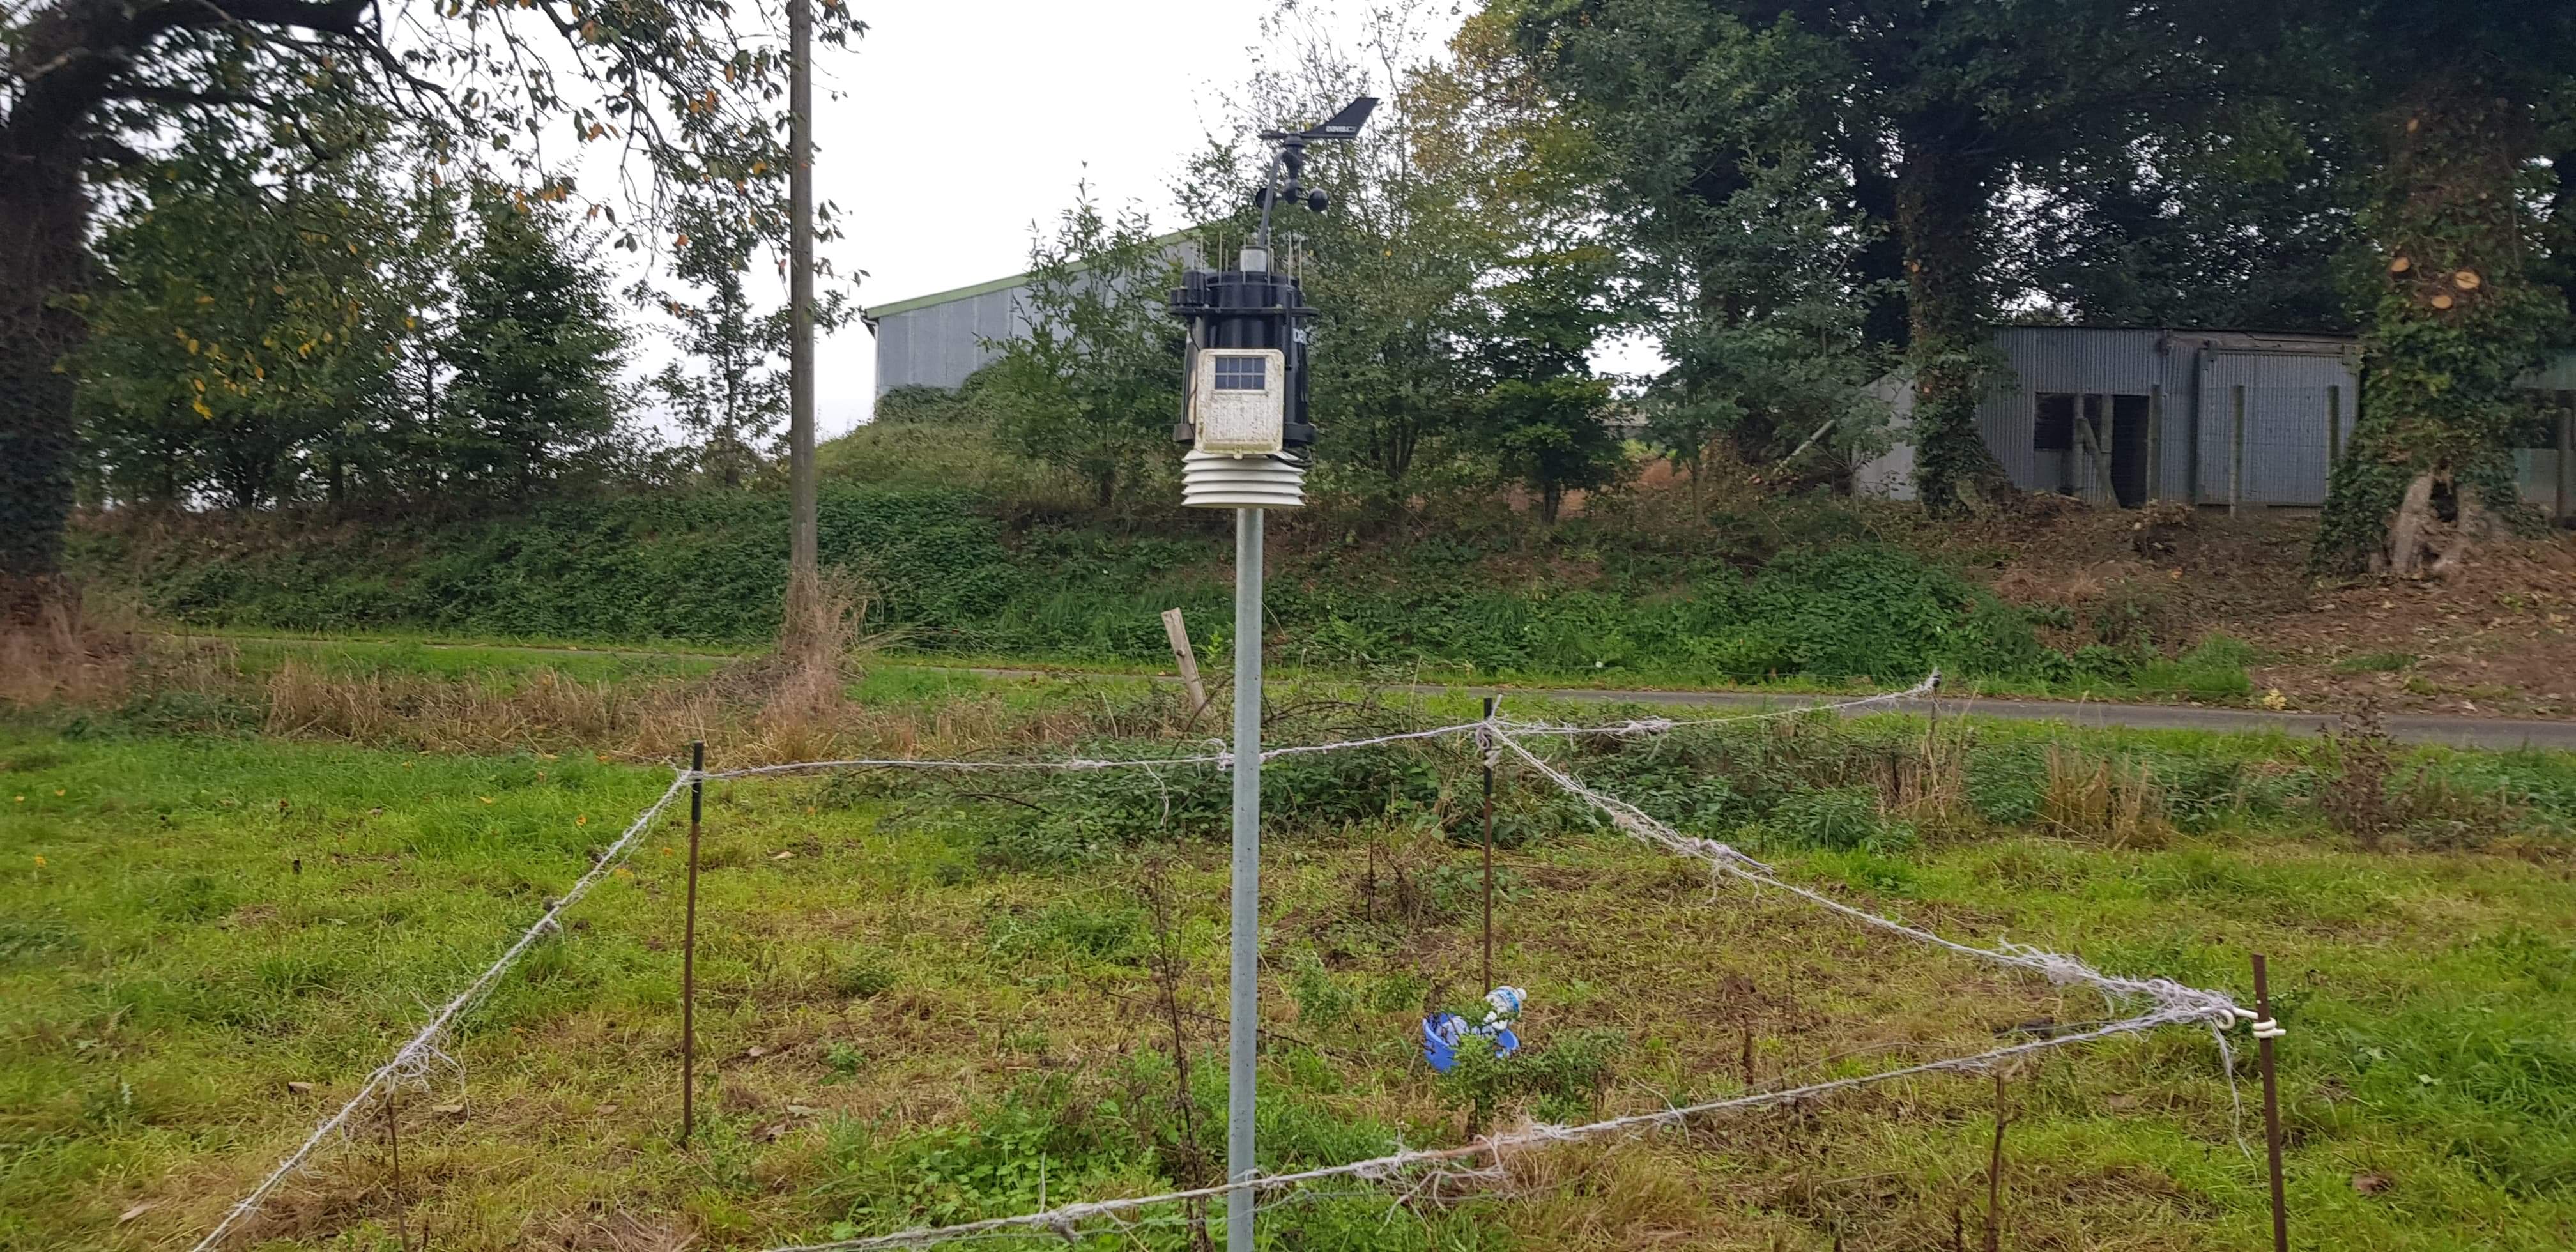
pixel 1241 373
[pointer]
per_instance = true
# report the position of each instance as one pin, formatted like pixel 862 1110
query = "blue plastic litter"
pixel 1442 1032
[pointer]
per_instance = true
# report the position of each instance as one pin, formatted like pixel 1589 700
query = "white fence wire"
pixel 413 1059
pixel 2175 1003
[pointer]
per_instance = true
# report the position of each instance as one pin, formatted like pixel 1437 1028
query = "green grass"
pixel 2214 670
pixel 945 989
pixel 416 659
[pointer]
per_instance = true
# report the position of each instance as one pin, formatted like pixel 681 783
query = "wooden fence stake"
pixel 1187 660
pixel 2271 1109
pixel 689 954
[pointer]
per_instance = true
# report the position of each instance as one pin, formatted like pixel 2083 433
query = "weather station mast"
pixel 1245 424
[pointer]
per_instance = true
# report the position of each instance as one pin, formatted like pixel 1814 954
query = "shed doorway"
pixel 2107 452
pixel 2130 450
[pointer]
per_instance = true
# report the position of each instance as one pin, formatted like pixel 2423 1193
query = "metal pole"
pixel 2271 1109
pixel 1243 1017
pixel 393 1146
pixel 689 955
pixel 1490 702
pixel 803 543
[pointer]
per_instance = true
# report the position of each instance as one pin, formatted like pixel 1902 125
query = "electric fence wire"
pixel 414 1058
pixel 1225 760
pixel 1066 1221
pixel 2176 1003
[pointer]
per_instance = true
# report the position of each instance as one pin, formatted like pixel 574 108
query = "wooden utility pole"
pixel 803 562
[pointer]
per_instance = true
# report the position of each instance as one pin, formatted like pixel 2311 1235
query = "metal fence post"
pixel 689 953
pixel 2271 1109
pixel 1489 750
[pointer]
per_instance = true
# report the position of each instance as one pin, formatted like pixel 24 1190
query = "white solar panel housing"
pixel 1238 402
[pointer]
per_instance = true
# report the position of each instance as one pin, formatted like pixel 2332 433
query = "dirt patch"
pixel 2497 638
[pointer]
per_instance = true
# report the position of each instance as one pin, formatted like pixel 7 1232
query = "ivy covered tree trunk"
pixel 43 208
pixel 2455 321
pixel 1940 201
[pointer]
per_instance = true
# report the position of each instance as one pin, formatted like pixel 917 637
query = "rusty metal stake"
pixel 2271 1108
pixel 1490 703
pixel 393 1146
pixel 689 954
pixel 1995 1174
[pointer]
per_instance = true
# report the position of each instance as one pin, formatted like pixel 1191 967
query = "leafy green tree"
pixel 535 348
pixel 1547 434
pixel 735 399
pixel 1911 119
pixel 1093 386
pixel 2454 313
pixel 1541 414
pixel 89 87
pixel 2236 216
pixel 410 458
pixel 241 333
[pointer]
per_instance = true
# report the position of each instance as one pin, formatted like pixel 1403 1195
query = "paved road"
pixel 2459 732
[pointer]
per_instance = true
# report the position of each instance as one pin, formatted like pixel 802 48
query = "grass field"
pixel 2212 673
pixel 928 1001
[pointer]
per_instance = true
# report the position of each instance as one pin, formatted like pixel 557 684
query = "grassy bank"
pixel 922 997
pixel 1804 594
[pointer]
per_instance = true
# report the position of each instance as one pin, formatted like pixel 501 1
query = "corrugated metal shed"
pixel 2122 415
pixel 938 339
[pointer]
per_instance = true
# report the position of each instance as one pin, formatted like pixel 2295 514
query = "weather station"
pixel 1244 422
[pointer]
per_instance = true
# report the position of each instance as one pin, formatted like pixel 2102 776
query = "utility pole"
pixel 1245 423
pixel 803 544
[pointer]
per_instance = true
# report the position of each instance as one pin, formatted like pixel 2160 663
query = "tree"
pixel 1912 117
pixel 2237 216
pixel 535 348
pixel 2454 314
pixel 1541 412
pixel 88 87
pixel 1093 386
pixel 734 402
pixel 1394 265
pixel 241 331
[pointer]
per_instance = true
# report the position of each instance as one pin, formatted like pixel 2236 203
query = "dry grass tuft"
pixel 65 657
pixel 616 1232
pixel 1618 1195
pixel 2103 799
pixel 1929 786
pixel 548 708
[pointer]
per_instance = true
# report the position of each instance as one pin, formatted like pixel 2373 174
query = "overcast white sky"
pixel 951 127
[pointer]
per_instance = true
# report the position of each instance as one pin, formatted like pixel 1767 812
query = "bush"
pixel 1563 1080
pixel 1837 819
